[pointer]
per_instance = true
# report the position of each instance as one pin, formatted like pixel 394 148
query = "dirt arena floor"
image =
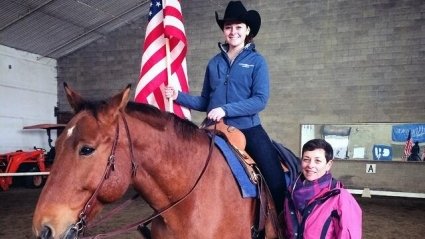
pixel 383 217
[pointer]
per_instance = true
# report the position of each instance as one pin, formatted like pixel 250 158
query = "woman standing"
pixel 236 89
pixel 317 205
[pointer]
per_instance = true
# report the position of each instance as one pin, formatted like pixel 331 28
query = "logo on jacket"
pixel 244 65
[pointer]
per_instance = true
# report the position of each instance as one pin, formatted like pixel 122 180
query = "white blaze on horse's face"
pixel 70 130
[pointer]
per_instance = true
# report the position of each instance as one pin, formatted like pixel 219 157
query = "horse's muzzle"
pixel 47 233
pixel 71 233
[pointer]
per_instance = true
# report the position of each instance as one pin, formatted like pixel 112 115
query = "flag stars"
pixel 155 7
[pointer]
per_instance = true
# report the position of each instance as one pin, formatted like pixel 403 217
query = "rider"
pixel 236 88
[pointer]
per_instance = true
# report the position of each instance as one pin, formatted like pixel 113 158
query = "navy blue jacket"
pixel 240 88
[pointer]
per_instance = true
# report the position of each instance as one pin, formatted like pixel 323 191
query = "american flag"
pixel 408 146
pixel 165 22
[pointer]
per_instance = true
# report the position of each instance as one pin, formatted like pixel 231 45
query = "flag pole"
pixel 169 83
pixel 168 60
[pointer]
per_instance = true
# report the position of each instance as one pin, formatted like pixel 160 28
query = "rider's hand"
pixel 170 92
pixel 216 114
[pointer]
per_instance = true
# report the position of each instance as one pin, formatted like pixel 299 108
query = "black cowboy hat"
pixel 235 11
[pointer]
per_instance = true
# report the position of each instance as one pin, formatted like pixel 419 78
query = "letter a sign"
pixel 370 168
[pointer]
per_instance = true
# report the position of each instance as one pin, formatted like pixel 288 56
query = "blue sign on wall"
pixel 400 132
pixel 382 152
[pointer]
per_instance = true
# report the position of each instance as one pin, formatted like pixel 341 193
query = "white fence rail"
pixel 366 192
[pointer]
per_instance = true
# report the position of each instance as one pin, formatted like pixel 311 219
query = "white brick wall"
pixel 28 95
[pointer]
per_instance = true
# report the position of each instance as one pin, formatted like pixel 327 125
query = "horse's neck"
pixel 167 164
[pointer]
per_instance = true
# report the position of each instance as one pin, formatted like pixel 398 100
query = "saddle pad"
pixel 247 188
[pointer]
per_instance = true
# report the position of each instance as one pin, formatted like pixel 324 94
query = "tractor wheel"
pixel 35 181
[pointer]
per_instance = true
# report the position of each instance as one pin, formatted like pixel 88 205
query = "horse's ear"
pixel 115 105
pixel 74 99
pixel 120 100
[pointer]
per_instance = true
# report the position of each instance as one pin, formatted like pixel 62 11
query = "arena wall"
pixel 336 62
pixel 28 97
pixel 386 176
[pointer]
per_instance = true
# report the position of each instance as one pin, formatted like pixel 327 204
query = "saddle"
pixel 266 217
pixel 237 141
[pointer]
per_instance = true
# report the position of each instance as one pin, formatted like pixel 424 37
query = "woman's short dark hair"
pixel 319 144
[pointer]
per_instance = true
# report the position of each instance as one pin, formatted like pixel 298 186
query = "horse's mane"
pixel 92 106
pixel 146 113
pixel 158 119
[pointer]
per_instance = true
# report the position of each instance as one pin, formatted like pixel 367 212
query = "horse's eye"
pixel 86 150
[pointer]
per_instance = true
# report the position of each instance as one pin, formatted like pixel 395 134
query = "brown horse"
pixel 109 145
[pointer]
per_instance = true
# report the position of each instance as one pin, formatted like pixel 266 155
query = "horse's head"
pixel 83 151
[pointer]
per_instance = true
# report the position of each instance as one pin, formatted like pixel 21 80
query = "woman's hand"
pixel 170 92
pixel 216 114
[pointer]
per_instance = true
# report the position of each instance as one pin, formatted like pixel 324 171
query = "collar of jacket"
pixel 224 47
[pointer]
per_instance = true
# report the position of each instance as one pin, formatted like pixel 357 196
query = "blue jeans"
pixel 260 147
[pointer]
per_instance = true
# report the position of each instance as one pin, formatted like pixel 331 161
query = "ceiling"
pixel 55 28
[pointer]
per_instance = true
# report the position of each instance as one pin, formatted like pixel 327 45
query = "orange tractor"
pixel 34 165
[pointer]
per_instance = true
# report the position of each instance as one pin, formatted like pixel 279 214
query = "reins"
pixel 142 224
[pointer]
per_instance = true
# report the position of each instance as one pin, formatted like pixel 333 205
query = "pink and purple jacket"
pixel 333 213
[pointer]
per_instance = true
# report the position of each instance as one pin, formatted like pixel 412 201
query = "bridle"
pixel 81 225
pixel 88 207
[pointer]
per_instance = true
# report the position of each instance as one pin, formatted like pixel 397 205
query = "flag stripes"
pixel 164 23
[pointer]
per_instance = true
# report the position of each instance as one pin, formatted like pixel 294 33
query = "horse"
pixel 112 144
